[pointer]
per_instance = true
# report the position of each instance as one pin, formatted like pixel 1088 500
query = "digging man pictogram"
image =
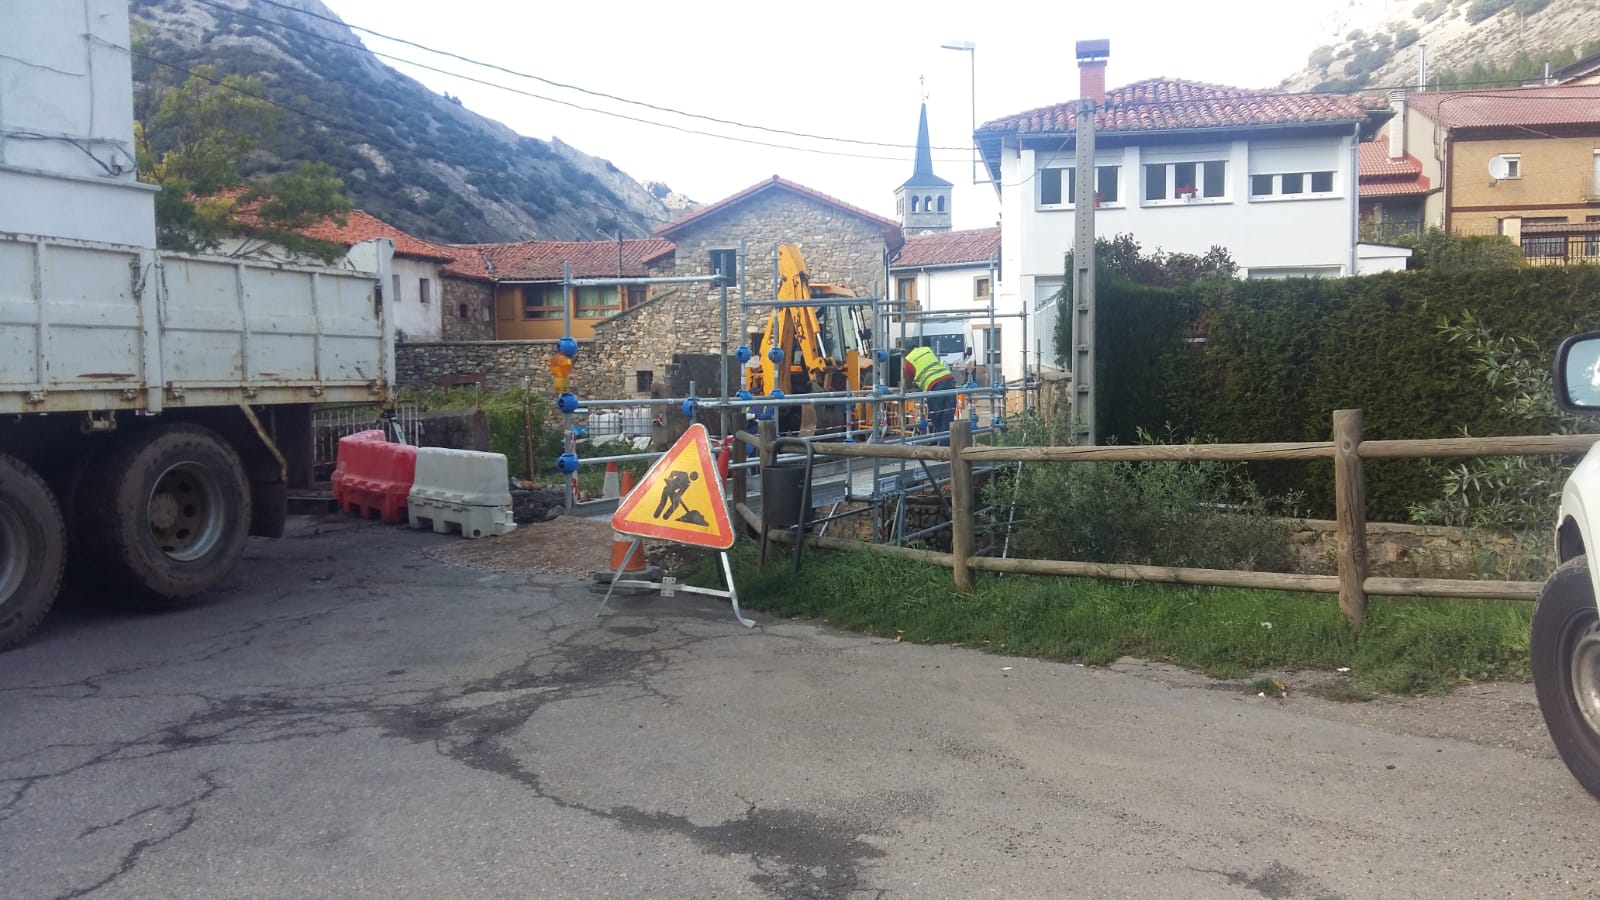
pixel 671 501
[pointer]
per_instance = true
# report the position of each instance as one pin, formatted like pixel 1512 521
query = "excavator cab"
pixel 825 348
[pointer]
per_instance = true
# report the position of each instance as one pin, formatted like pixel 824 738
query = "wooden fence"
pixel 1347 451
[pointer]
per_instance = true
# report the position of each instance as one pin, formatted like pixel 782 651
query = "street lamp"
pixel 971 50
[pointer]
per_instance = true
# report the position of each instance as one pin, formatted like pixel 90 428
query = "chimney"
pixel 1397 125
pixel 1092 57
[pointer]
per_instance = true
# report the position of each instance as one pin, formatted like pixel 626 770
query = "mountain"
pixel 407 155
pixel 1379 44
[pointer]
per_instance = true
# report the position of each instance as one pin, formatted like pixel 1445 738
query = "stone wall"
pixel 503 365
pixel 838 247
pixel 478 298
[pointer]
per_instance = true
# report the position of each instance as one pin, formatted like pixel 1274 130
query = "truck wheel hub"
pixel 186 511
pixel 1586 676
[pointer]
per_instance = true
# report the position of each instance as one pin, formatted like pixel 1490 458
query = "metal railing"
pixel 1561 249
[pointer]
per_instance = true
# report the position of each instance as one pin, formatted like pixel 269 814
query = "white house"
pixel 946 280
pixel 1182 166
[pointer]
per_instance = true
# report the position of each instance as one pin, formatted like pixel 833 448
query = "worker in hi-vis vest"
pixel 924 370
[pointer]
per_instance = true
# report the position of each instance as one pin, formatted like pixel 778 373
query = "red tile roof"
pixel 1373 161
pixel 950 248
pixel 890 227
pixel 1167 104
pixel 363 226
pixel 466 262
pixel 1567 104
pixel 1380 176
pixel 541 260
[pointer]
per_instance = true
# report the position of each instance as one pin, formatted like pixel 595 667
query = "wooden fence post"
pixel 767 431
pixel 1350 515
pixel 962 547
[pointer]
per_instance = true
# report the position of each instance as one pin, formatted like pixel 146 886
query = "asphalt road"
pixel 352 719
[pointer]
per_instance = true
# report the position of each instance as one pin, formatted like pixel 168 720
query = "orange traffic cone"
pixel 619 551
pixel 627 483
pixel 608 488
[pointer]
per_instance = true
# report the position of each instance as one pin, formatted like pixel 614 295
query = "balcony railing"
pixel 1561 249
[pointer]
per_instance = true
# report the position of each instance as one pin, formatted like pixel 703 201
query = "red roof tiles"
pixel 541 260
pixel 890 227
pixel 363 226
pixel 1568 104
pixel 1167 104
pixel 950 248
pixel 1381 176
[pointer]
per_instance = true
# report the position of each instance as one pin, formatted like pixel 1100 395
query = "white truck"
pixel 155 408
pixel 1565 643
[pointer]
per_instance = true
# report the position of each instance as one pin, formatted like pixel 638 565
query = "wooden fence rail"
pixel 1347 451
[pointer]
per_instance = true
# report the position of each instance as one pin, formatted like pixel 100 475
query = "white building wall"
pixel 417 319
pixel 951 289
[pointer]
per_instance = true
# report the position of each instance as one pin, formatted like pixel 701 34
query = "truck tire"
pixel 1565 651
pixel 165 514
pixel 33 549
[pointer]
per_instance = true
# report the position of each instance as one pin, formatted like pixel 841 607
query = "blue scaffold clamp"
pixel 743 354
pixel 775 354
pixel 689 407
pixel 567 347
pixel 567 402
pixel 567 463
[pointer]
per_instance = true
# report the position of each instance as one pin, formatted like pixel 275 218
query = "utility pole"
pixel 1092 57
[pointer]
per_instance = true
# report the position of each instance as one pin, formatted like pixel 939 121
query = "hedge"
pixel 1277 357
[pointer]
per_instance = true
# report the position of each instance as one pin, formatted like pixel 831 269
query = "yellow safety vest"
pixel 926 367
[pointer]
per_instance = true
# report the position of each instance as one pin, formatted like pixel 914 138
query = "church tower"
pixel 923 202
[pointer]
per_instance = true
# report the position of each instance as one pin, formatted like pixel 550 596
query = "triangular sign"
pixel 680 498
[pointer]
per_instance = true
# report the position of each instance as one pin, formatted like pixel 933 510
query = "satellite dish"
pixel 1498 167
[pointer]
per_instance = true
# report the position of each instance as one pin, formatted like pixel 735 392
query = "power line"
pixel 563 85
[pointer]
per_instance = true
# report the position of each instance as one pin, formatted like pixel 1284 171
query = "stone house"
pixel 677 335
pixel 637 342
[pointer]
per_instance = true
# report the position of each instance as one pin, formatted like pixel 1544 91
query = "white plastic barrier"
pixel 461 489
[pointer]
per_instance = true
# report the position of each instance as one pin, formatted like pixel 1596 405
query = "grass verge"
pixel 1407 647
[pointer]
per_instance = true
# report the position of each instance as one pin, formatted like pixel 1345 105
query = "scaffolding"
pixel 879 486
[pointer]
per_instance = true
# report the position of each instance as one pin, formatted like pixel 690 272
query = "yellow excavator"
pixel 821 348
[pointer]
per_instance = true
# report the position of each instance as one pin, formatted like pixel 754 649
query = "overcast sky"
pixel 822 67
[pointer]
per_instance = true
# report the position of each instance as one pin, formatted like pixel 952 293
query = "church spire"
pixel 924 200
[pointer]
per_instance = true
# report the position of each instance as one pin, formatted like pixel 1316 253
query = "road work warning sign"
pixel 680 498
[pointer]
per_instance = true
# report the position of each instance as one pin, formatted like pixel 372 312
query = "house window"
pixel 1058 185
pixel 637 294
pixel 597 302
pixel 1291 184
pixel 981 288
pixel 726 264
pixel 643 381
pixel 1594 184
pixel 1204 180
pixel 424 289
pixel 542 301
pixel 461 312
pixel 1513 164
pixel 941 203
pixel 916 203
pixel 396 297
pixel 905 290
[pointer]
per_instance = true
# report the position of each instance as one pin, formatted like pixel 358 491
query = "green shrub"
pixel 1201 514
pixel 1478 10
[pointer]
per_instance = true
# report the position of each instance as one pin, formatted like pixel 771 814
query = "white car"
pixel 1565 644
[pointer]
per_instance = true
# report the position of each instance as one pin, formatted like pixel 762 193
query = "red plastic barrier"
pixel 373 476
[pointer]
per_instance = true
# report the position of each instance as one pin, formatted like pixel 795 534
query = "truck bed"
pixel 87 326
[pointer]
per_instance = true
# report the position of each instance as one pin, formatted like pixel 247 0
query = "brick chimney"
pixel 1092 56
pixel 1397 125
